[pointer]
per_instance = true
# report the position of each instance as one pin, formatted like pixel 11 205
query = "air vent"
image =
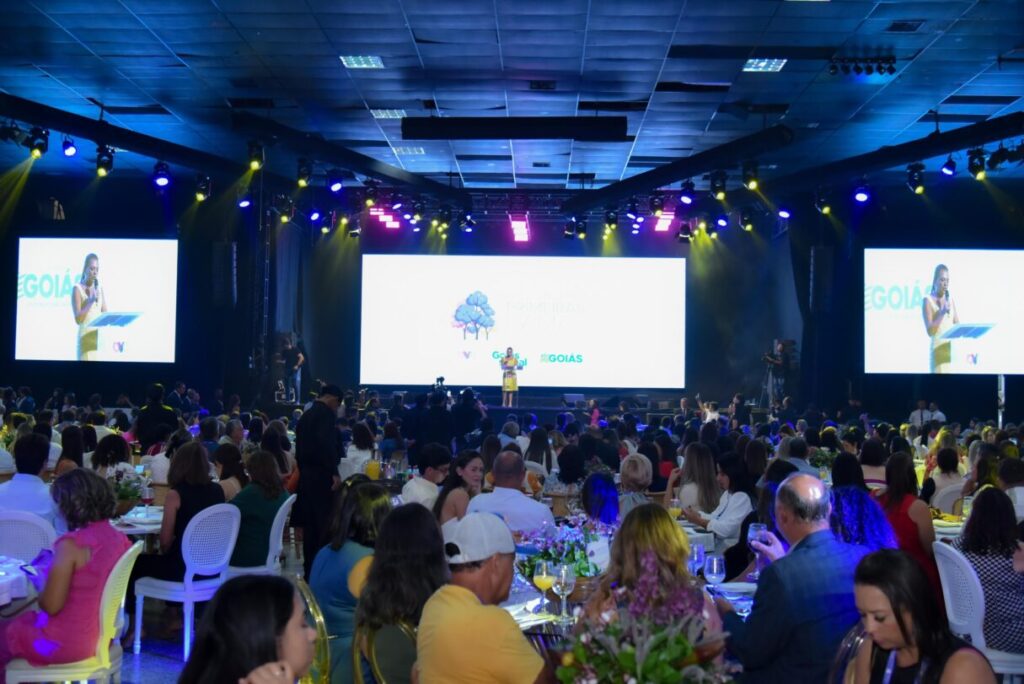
pixel 905 26
pixel 542 85
pixel 542 165
pixel 981 100
pixel 488 178
pixel 540 176
pixel 483 157
pixel 953 118
pixel 131 110
pixel 681 87
pixel 613 106
pixel 251 102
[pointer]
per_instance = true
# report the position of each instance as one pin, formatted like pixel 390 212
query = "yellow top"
pixel 357 576
pixel 461 640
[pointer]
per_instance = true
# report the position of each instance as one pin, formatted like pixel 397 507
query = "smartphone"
pixel 140 469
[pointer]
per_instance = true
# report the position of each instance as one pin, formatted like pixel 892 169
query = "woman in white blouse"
pixel 735 505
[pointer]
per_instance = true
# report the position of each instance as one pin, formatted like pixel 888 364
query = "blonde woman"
pixel 698 485
pixel 635 473
pixel 945 439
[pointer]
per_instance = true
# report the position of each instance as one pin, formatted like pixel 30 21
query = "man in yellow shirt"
pixel 464 636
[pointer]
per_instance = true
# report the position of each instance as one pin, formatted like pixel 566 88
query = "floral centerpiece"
pixel 574 543
pixel 823 458
pixel 127 486
pixel 653 634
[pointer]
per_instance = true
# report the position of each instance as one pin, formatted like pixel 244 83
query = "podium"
pixel 965 348
pixel 110 335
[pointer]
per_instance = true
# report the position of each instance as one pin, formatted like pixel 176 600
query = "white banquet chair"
pixel 206 548
pixel 945 498
pixel 965 607
pixel 23 535
pixel 273 564
pixel 106 664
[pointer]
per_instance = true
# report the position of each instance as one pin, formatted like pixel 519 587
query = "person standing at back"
pixel 151 416
pixel 317 452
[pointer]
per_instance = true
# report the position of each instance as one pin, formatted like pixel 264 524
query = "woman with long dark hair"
pixel 227 462
pixel 110 451
pixel 599 498
pixel 736 504
pixel 698 486
pixel 464 480
pixel 258 502
pixel 271 443
pixel 253 631
pixel 72 450
pixel 908 637
pixel 408 566
pixel 539 450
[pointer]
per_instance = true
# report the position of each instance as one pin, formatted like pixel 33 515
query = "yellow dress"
pixel 87 335
pixel 941 349
pixel 508 378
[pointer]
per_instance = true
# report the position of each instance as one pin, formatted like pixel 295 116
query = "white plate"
pixel 743 588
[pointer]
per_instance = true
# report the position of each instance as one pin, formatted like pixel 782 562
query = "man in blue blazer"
pixel 804 601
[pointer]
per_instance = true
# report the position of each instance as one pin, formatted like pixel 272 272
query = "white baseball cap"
pixel 477 537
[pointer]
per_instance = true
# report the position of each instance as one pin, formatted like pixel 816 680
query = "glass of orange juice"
pixel 373 469
pixel 675 509
pixel 543 579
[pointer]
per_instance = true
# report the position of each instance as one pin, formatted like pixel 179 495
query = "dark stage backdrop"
pixel 740 296
pixel 215 292
pixel 957 213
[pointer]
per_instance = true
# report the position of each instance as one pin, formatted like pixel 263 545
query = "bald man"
pixel 804 602
pixel 507 501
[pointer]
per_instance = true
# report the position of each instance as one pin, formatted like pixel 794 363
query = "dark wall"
pixel 212 331
pixel 739 295
pixel 960 213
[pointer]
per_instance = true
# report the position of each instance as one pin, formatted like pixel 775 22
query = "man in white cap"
pixel 464 636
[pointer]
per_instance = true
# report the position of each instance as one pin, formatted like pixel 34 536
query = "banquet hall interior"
pixel 299 294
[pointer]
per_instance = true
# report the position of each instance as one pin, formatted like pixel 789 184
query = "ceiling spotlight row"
pixel 869 66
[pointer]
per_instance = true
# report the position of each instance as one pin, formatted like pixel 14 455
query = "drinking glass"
pixel 714 568
pixel 757 532
pixel 146 495
pixel 675 509
pixel 565 582
pixel 696 561
pixel 965 510
pixel 543 579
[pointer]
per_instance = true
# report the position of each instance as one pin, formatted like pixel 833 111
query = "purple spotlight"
pixel 784 213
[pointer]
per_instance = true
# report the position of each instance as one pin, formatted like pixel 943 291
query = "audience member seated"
pixel 110 451
pixel 409 565
pixel 908 637
pixel 539 450
pixel 153 415
pixel 53 449
pixel 858 519
pixel 571 472
pixel 804 601
pixel 160 464
pixel 339 570
pixel 739 559
pixel 260 499
pixel 520 512
pixel 755 455
pixel 599 498
pixel 948 461
pixel 26 491
pixel 873 456
pixel 984 473
pixel 698 484
pixel 635 476
pixel 234 433
pixel 434 464
pixel 464 636
pixel 736 504
pixel 6 462
pixel 909 516
pixel 463 482
pixel 191 491
pixel 988 541
pixel 72 450
pixel 359 452
pixel 798 452
pixel 272 443
pixel 254 631
pixel 66 628
pixel 227 463
pixel 1011 480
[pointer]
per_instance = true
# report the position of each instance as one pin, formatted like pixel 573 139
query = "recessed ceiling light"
pixel 362 62
pixel 409 150
pixel 388 113
pixel 761 65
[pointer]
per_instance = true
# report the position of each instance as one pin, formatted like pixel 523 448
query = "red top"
pixel 909 540
pixel 72 633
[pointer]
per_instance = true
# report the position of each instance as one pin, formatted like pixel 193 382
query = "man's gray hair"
pixel 809 509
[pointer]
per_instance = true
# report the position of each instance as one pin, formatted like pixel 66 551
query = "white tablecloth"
pixel 13 582
pixel 138 523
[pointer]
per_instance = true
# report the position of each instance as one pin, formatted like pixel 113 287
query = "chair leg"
pixel 189 610
pixel 137 645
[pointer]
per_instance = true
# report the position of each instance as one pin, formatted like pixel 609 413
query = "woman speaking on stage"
pixel 509 383
pixel 88 302
pixel 939 316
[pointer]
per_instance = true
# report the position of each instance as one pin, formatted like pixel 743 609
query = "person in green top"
pixel 258 501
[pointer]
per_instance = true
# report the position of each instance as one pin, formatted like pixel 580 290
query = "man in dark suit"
pixel 804 602
pixel 152 416
pixel 317 452
pixel 177 399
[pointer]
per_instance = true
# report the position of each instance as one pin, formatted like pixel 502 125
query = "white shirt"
pixel 6 461
pixel 726 520
pixel 102 431
pixel 158 467
pixel 51 461
pixel 939 416
pixel 420 490
pixel 920 417
pixel 29 494
pixel 1016 495
pixel 354 462
pixel 520 512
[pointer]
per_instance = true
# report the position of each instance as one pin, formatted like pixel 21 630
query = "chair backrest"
pixel 277 531
pixel 961 589
pixel 113 599
pixel 23 535
pixel 536 468
pixel 946 497
pixel 392 645
pixel 209 540
pixel 320 672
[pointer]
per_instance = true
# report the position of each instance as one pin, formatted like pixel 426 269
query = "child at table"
pixel 66 627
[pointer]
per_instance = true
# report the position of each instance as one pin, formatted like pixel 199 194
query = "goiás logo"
pixel 561 358
pixel 45 285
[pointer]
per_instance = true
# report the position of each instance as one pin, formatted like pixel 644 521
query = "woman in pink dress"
pixel 66 626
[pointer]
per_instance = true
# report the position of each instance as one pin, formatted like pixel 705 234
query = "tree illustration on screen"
pixel 475 315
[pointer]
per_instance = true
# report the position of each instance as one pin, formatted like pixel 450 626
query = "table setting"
pixel 140 521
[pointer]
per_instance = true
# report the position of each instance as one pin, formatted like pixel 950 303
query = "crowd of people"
pixel 409 516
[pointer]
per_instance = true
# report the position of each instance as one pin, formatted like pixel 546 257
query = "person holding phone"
pixel 88 301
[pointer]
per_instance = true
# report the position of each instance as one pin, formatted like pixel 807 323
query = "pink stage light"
pixel 387 219
pixel 520 227
pixel 664 222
